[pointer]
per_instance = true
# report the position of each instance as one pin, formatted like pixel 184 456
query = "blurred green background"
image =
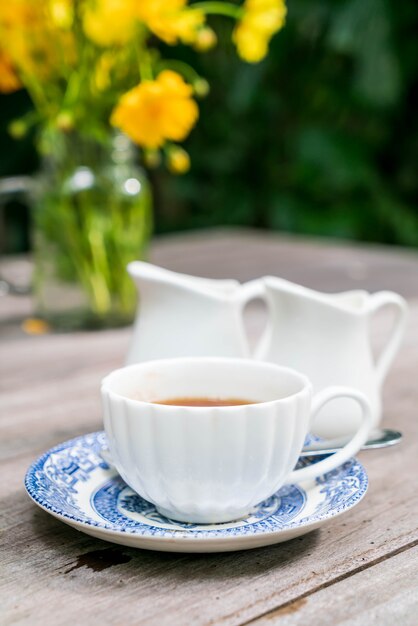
pixel 320 138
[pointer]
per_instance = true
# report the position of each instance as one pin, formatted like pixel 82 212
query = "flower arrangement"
pixel 97 78
pixel 91 64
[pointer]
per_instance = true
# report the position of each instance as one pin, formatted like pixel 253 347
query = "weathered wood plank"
pixel 177 589
pixel 384 594
pixel 270 576
pixel 317 263
pixel 49 389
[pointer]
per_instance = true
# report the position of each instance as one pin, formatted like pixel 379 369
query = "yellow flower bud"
pixel 152 158
pixel 205 39
pixel 61 13
pixel 102 73
pixel 65 121
pixel 17 129
pixel 178 161
pixel 201 87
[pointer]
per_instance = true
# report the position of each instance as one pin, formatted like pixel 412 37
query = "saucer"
pixel 73 483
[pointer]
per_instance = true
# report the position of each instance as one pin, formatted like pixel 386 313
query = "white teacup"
pixel 213 464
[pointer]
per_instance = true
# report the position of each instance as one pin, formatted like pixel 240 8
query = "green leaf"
pixel 362 29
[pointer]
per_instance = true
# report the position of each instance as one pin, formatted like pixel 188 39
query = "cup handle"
pixel 351 448
pixel 377 301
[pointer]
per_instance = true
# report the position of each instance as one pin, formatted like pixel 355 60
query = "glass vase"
pixel 92 216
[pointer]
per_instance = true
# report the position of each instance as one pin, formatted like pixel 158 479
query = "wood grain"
pixel 371 595
pixel 54 574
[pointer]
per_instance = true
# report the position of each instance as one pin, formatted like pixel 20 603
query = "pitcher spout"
pixel 352 301
pixel 142 272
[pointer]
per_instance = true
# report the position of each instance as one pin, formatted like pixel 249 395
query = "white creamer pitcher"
pixel 181 315
pixel 327 337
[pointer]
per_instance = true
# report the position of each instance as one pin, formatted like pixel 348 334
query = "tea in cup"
pixel 206 439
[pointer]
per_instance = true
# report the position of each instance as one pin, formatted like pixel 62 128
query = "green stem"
pixel 220 8
pixel 78 78
pixel 37 95
pixel 144 63
pixel 88 266
pixel 182 68
pixel 99 271
pixel 87 236
pixel 72 91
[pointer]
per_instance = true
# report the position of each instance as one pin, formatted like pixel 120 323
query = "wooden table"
pixel 361 569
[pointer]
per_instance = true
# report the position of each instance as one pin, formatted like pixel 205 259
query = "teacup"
pixel 214 464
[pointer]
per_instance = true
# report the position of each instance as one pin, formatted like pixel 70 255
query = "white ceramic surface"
pixel 327 337
pixel 213 464
pixel 73 483
pixel 181 315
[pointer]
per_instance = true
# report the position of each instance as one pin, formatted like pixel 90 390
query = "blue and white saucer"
pixel 75 484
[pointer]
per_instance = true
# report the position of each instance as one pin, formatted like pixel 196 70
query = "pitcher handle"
pixel 13 186
pixel 378 301
pixel 251 290
pixel 351 448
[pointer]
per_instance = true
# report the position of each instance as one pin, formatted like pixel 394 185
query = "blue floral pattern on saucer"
pixel 74 483
pixel 116 503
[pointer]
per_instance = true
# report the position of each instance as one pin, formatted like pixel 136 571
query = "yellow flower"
pixel 33 41
pixel 9 81
pixel 110 22
pixel 157 110
pixel 178 160
pixel 170 20
pixel 62 13
pixel 262 18
pixel 15 20
pixel 35 326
